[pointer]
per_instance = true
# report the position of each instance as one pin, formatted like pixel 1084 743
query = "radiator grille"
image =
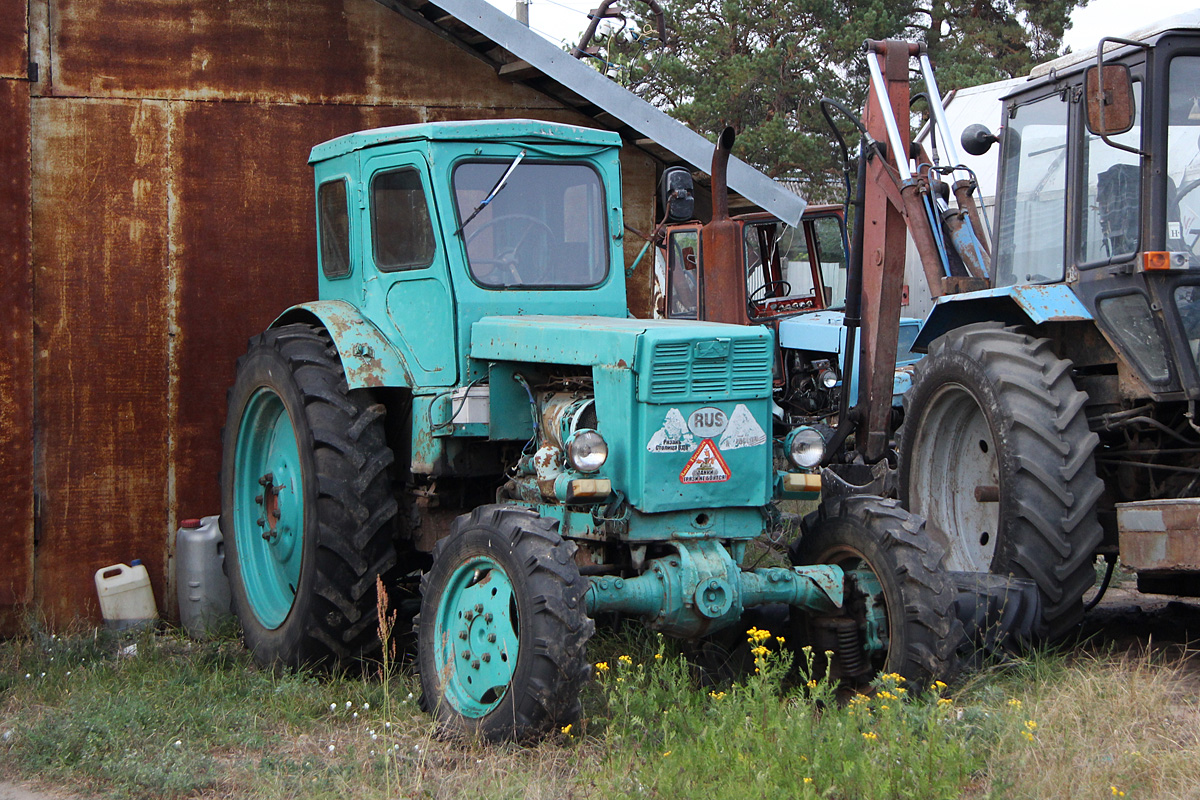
pixel 681 371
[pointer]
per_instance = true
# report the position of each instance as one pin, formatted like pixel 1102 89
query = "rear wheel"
pixel 996 454
pixel 307 508
pixel 503 630
pixel 899 614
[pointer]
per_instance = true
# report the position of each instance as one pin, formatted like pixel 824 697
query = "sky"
pixel 564 20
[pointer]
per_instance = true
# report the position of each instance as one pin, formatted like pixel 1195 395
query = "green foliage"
pixel 763 65
pixel 759 739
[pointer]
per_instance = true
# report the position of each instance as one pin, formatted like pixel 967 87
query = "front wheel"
pixel 503 630
pixel 899 614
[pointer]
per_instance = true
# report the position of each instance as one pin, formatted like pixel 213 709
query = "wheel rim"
pixel 955 477
pixel 476 636
pixel 268 508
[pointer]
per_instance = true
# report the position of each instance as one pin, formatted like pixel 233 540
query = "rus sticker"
pixel 705 465
pixel 708 422
pixel 743 430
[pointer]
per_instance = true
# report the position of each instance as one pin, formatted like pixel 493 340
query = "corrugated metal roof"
pixel 519 54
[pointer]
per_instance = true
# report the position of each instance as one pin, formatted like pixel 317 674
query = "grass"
pixel 176 718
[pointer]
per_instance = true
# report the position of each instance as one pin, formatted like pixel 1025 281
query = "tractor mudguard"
pixel 368 358
pixel 1009 305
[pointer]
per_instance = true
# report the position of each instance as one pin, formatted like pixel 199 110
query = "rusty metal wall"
pixel 101 298
pixel 16 357
pixel 172 218
pixel 14 57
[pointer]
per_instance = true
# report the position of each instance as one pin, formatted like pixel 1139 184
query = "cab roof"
pixel 523 130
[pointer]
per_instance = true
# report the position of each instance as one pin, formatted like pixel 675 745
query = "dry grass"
pixel 1105 725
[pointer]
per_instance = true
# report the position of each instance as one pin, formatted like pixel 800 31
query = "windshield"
pixel 545 228
pixel 1183 158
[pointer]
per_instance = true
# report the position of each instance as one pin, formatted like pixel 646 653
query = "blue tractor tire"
pixel 307 506
pixel 997 455
pixel 503 629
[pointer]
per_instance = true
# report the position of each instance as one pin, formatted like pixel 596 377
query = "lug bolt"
pixel 267 479
pixel 462 634
pixel 475 664
pixel 258 498
pixel 262 522
pixel 491 638
pixel 468 615
pixel 479 608
pixel 487 617
pixel 466 654
pixel 487 657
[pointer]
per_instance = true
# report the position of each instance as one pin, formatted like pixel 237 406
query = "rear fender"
pixel 368 358
pixel 1009 305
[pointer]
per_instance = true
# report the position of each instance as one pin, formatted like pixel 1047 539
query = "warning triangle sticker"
pixel 705 465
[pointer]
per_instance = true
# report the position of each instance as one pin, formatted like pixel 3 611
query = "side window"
pixel 1031 229
pixel 832 258
pixel 1110 211
pixel 333 216
pixel 682 274
pixel 402 234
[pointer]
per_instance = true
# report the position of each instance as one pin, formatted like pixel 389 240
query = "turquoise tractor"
pixel 469 405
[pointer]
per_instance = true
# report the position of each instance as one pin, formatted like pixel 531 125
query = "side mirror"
pixel 1110 107
pixel 677 194
pixel 977 139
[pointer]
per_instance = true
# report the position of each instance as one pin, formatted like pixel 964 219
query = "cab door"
pixel 405 274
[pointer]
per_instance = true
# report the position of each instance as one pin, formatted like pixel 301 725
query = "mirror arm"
pixel 1100 87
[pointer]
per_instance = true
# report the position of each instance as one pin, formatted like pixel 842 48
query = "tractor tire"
pixel 307 507
pixel 997 456
pixel 503 629
pixel 923 633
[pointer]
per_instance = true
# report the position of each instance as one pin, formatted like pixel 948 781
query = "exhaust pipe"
pixel 722 278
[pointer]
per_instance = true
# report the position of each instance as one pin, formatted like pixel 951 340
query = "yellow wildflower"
pixel 602 666
pixel 812 684
pixel 808 780
pixel 626 660
pixel 658 656
pixel 667 753
pixel 780 639
pixel 1028 736
pixel 1117 792
pixel 759 651
pixel 945 701
pixel 1030 724
pixel 870 736
pixel 716 695
pixel 939 685
pixel 886 695
pixel 1015 703
pixel 566 729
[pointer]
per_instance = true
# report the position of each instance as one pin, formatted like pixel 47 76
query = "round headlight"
pixel 828 378
pixel 806 447
pixel 586 450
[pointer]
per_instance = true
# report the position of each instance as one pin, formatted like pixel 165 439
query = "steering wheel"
pixel 765 291
pixel 508 260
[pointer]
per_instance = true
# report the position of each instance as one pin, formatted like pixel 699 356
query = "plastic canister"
pixel 126 600
pixel 202 588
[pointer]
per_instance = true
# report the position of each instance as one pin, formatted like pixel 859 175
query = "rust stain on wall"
pixel 354 52
pixel 99 255
pixel 14 55
pixel 16 357
pixel 640 184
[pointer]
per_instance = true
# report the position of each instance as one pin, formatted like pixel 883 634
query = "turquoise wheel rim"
pixel 476 637
pixel 268 508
